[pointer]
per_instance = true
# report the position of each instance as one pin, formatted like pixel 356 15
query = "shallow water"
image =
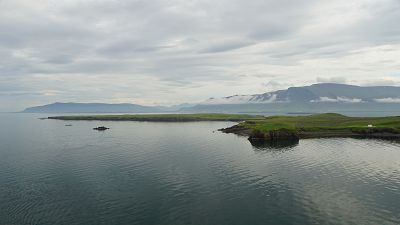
pixel 185 173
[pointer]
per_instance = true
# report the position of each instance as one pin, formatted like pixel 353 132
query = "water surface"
pixel 188 173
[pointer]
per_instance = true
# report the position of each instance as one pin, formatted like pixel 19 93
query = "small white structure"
pixel 370 125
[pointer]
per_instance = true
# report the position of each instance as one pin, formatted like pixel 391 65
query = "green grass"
pixel 321 122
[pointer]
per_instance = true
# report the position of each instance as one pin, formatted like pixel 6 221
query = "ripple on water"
pixel 165 173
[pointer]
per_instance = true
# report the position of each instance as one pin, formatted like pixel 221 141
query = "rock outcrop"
pixel 275 136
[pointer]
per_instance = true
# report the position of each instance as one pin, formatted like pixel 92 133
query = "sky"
pixel 165 52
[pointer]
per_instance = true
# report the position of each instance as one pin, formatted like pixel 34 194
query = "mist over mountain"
pixel 325 92
pixel 316 98
pixel 324 97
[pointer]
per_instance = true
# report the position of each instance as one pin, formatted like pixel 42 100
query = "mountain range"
pixel 72 107
pixel 323 97
pixel 325 92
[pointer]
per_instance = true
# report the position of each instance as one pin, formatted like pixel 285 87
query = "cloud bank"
pixel 167 52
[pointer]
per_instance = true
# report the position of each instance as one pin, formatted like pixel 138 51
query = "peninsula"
pixel 277 128
pixel 165 117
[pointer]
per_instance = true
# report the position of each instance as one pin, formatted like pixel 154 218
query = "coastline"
pixel 296 135
pixel 276 128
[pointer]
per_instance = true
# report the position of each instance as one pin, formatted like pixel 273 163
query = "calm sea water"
pixel 185 173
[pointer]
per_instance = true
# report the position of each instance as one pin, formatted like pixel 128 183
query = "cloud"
pixel 167 52
pixel 339 99
pixel 388 100
pixel 274 85
pixel 227 46
pixel 339 80
pixel 382 82
pixel 234 99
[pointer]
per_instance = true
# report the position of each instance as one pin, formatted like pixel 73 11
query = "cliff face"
pixel 275 135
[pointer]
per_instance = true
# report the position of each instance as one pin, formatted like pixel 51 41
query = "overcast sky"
pixel 162 52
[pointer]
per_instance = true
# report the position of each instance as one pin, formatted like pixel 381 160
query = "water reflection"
pixel 183 173
pixel 260 144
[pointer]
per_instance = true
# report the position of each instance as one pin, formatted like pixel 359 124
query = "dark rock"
pixel 101 128
pixel 275 135
pixel 237 129
pixel 262 144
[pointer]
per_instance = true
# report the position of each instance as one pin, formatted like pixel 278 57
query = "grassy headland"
pixel 319 125
pixel 275 128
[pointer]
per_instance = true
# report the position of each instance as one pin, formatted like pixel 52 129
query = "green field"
pixel 330 121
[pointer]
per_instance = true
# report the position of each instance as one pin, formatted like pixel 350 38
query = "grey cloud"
pixel 227 46
pixel 131 48
pixel 274 85
pixel 382 25
pixel 59 59
pixel 340 80
pixel 154 46
pixel 381 82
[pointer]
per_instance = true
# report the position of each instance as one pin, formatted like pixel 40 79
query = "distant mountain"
pixel 326 92
pixel 325 97
pixel 93 108
pixel 316 98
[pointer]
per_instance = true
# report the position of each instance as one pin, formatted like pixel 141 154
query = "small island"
pixel 277 128
pixel 102 128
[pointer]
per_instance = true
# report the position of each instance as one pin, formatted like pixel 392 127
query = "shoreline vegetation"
pixel 165 117
pixel 261 129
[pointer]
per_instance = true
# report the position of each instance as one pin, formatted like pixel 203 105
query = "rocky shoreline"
pixel 293 136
